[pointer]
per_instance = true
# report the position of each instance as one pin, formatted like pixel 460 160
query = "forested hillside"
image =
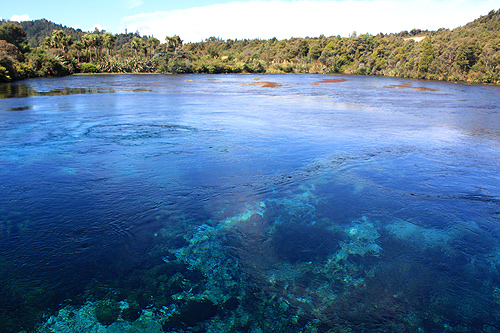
pixel 38 30
pixel 468 53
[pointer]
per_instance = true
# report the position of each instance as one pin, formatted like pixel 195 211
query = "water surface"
pixel 250 203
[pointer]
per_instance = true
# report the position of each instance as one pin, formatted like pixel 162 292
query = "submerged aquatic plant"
pixel 107 312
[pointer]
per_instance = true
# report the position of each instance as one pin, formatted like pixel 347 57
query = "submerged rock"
pixel 83 319
pixel 132 312
pixel 193 313
pixel 231 304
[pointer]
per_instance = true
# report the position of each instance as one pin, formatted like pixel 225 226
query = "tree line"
pixel 469 53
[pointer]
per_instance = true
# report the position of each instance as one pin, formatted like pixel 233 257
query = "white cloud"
pixel 280 19
pixel 133 3
pixel 20 18
pixel 98 27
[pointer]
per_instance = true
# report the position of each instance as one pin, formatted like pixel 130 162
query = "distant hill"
pixel 490 22
pixel 37 30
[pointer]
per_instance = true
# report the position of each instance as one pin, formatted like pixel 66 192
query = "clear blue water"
pixel 222 203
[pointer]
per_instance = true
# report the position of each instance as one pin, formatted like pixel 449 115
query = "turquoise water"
pixel 249 203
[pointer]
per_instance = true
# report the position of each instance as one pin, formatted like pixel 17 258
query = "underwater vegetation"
pixel 107 312
pixel 280 265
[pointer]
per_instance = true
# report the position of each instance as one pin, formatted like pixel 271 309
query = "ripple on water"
pixel 137 132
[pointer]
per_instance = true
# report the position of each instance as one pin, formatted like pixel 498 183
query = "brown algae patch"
pixel 266 84
pixel 20 108
pixel 402 86
pixel 329 81
pixel 142 90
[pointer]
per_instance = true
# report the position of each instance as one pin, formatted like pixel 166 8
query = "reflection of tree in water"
pixel 8 90
pixel 20 91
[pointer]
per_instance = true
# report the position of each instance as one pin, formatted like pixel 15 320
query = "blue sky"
pixel 195 20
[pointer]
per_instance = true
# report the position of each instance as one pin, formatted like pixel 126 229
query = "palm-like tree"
pixel 78 46
pixel 87 43
pixel 58 40
pixel 97 43
pixel 153 44
pixel 137 44
pixel 173 42
pixel 93 40
pixel 109 41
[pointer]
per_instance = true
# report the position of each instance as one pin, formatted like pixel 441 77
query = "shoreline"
pixel 495 84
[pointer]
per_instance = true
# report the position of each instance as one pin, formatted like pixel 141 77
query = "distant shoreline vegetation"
pixel 466 54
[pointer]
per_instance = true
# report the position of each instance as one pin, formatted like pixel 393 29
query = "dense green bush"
pixel 8 70
pixel 86 67
pixel 44 65
pixel 4 74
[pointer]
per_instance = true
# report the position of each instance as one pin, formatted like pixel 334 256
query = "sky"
pixel 196 20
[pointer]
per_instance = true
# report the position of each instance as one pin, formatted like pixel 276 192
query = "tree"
pixel 97 40
pixel 153 44
pixel 490 55
pixel 58 40
pixel 109 41
pixel 93 40
pixel 137 44
pixel 78 46
pixel 14 34
pixel 86 40
pixel 315 51
pixel 466 55
pixel 10 50
pixel 427 56
pixel 173 43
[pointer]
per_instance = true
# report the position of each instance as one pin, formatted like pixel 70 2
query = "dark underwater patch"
pixel 191 314
pixel 297 243
pixel 137 132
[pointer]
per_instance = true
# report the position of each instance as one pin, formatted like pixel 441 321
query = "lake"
pixel 249 203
